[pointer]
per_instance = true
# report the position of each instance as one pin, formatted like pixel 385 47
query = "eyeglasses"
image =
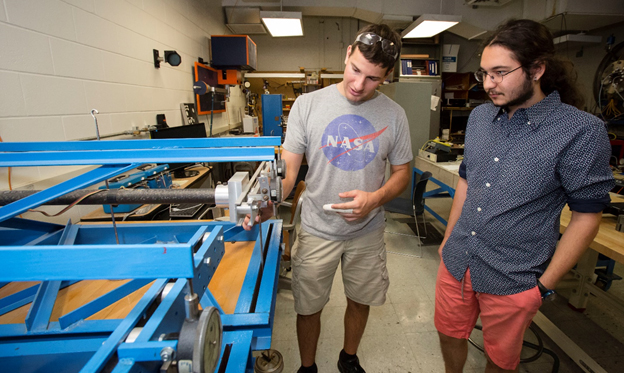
pixel 387 46
pixel 496 76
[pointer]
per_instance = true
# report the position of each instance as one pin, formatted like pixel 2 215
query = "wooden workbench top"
pixel 608 241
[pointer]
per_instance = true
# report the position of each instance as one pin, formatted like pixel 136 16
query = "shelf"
pixel 274 75
pixel 331 76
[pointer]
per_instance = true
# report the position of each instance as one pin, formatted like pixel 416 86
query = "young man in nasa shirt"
pixel 347 132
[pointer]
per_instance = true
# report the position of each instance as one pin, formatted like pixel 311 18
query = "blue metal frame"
pixel 444 191
pixel 156 253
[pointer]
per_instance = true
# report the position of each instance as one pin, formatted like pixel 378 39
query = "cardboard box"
pixel 449 58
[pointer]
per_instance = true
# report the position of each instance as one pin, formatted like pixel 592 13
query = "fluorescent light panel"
pixel 282 24
pixel 429 25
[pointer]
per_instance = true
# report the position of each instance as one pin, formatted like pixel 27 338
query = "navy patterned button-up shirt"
pixel 520 174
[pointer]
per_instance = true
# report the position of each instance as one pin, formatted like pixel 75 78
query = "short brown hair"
pixel 374 53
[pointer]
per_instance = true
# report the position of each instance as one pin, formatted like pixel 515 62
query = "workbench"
pixel 608 242
pixel 444 174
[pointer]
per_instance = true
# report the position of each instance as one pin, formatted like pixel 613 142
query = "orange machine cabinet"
pixel 231 77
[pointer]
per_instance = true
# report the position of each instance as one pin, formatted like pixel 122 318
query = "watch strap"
pixel 544 291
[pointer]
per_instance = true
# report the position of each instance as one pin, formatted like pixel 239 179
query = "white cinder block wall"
pixel 61 58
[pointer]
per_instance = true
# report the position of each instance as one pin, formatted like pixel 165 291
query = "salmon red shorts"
pixel 504 318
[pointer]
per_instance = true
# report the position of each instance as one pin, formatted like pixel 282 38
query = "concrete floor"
pixel 400 335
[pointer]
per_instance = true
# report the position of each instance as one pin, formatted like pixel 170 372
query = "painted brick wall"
pixel 60 59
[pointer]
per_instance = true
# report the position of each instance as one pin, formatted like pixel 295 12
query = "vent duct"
pixel 244 21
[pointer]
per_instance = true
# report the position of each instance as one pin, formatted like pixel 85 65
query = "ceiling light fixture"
pixel 429 25
pixel 282 24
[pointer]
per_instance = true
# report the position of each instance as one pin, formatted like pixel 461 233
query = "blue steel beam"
pixel 53 347
pixel 245 297
pixel 14 301
pixel 270 277
pixel 144 351
pixel 95 262
pixel 163 320
pixel 54 329
pixel 39 313
pixel 240 353
pixel 21 298
pixel 237 321
pixel 170 232
pixel 41 309
pixel 102 302
pixel 31 225
pixel 140 156
pixel 141 144
pixel 108 348
pixel 208 300
pixel 209 244
pixel 237 233
pixel 124 366
pixel 81 181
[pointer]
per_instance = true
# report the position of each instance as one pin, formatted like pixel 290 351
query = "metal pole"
pixel 97 133
pixel 118 196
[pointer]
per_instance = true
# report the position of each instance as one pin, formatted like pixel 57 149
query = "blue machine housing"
pixel 153 255
pixel 158 177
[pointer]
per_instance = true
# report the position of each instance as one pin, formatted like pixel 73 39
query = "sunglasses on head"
pixel 387 46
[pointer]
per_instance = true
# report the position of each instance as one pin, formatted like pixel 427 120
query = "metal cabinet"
pixel 424 123
pixel 272 115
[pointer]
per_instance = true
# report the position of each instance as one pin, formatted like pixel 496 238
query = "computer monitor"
pixel 181 132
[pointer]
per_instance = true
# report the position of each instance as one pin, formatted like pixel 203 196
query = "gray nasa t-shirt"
pixel 346 146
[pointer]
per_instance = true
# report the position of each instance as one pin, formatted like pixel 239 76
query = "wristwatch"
pixel 547 294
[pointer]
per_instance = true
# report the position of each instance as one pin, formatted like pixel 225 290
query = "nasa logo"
pixel 350 142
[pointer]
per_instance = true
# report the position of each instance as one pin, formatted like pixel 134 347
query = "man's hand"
pixel 363 203
pixel 442 247
pixel 263 215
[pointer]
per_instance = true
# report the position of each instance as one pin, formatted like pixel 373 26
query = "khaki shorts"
pixel 314 264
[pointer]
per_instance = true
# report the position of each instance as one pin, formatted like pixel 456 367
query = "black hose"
pixel 119 196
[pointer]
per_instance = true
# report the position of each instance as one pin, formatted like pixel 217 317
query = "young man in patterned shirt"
pixel 527 154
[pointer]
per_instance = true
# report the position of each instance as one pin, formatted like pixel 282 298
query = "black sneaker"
pixel 350 366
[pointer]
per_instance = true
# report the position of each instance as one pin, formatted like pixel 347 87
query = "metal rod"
pixel 97 133
pixel 121 133
pixel 212 111
pixel 119 196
